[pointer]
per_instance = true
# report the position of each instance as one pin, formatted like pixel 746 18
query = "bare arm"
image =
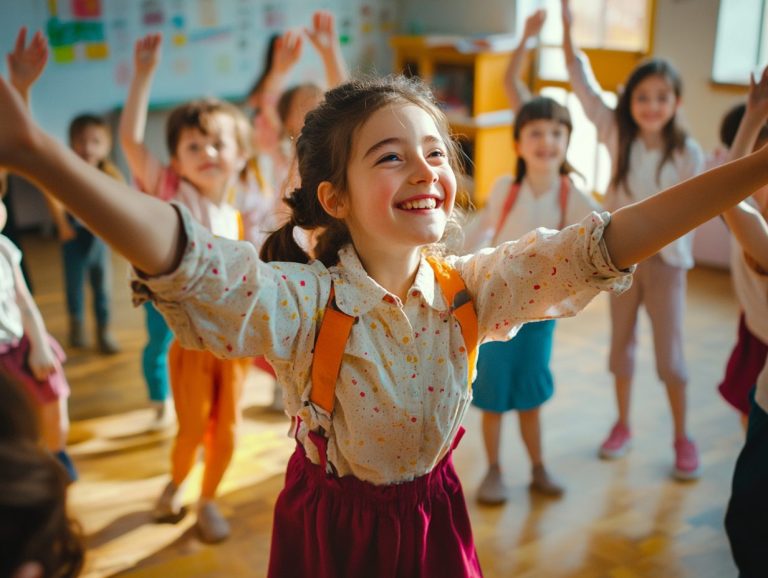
pixel 639 230
pixel 746 223
pixel 42 361
pixel 517 90
pixel 326 41
pixel 133 120
pixel 145 230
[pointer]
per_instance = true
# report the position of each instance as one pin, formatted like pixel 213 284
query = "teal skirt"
pixel 515 374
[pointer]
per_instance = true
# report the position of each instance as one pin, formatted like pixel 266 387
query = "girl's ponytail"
pixel 281 246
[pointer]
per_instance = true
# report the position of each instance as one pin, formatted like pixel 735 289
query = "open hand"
pixel 27 61
pixel 757 99
pixel 534 23
pixel 146 54
pixel 323 32
pixel 287 51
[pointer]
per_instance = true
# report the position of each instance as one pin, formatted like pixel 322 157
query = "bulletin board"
pixel 210 47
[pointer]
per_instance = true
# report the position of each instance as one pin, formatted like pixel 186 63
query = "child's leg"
pixel 222 428
pixel 54 423
pixel 665 303
pixel 154 357
pixel 492 436
pixel 530 431
pixel 74 257
pixel 101 278
pixel 192 382
pixel 220 446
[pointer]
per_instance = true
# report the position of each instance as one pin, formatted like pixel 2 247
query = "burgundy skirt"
pixel 14 366
pixel 330 527
pixel 746 362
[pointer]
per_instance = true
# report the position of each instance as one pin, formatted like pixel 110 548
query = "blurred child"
pixel 37 537
pixel 749 352
pixel 515 374
pixel 649 151
pixel 27 353
pixel 748 221
pixel 84 254
pixel 209 143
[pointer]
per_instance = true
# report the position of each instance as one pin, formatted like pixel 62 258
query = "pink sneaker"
pixel 686 460
pixel 617 444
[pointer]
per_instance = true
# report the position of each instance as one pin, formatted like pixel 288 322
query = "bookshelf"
pixel 470 88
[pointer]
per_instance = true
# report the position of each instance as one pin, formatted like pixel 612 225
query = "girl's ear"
pixel 332 202
pixel 29 570
pixel 175 163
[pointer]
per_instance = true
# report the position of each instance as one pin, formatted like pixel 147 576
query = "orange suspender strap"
pixel 240 227
pixel 460 305
pixel 565 187
pixel 329 349
pixel 514 192
pixel 336 326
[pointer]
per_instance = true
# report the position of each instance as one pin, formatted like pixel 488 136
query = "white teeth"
pixel 428 203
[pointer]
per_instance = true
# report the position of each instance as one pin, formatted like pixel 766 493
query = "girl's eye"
pixel 437 153
pixel 388 158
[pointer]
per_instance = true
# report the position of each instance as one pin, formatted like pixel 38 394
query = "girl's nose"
pixel 423 172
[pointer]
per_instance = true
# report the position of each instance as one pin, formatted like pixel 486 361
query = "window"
pixel 741 44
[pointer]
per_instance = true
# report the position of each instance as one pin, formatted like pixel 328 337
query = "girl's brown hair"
pixel 541 108
pixel 198 114
pixel 673 134
pixel 324 149
pixel 34 524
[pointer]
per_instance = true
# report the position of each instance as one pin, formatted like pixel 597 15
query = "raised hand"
pixel 323 32
pixel 287 52
pixel 534 23
pixel 146 54
pixel 757 98
pixel 27 61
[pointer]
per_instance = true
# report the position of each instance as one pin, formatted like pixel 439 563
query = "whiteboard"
pixel 210 47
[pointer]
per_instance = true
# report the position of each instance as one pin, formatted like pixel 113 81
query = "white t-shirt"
pixel 11 325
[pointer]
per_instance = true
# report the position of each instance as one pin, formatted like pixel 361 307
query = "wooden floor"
pixel 621 519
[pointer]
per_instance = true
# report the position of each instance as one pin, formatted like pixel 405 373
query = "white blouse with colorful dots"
pixel 402 391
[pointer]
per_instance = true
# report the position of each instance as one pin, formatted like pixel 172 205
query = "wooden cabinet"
pixel 470 88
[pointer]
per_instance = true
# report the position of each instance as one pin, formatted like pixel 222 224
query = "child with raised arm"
pixel 28 354
pixel 749 353
pixel 208 141
pixel 748 221
pixel 649 152
pixel 515 374
pixel 373 341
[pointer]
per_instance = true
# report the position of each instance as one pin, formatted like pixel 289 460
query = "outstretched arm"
pixel 145 230
pixel 640 230
pixel 517 90
pixel 326 41
pixel 746 223
pixel 42 361
pixel 133 120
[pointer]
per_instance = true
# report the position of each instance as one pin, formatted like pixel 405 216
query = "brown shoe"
pixel 542 483
pixel 168 508
pixel 492 490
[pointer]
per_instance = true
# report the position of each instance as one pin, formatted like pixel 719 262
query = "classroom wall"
pixel 456 16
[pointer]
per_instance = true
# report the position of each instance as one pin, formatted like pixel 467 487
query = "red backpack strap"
pixel 335 328
pixel 509 202
pixel 461 306
pixel 565 188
